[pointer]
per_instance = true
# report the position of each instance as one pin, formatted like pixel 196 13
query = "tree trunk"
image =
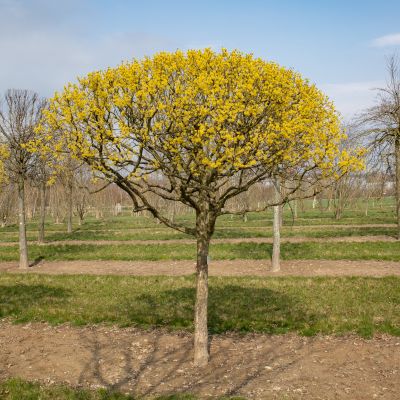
pixel 397 167
pixel 23 246
pixel 295 209
pixel 70 206
pixel 201 353
pixel 314 202
pixel 42 211
pixel 276 246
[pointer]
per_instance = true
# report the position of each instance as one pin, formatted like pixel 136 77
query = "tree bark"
pixel 201 353
pixel 70 206
pixel 397 167
pixel 42 211
pixel 23 246
pixel 276 246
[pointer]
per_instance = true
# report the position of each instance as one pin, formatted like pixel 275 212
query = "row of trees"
pixel 198 129
pixel 355 192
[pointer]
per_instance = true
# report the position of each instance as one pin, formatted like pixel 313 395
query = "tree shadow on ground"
pixel 18 298
pixel 231 308
pixel 36 261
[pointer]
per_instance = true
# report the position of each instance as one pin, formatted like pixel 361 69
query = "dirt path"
pixel 245 226
pixel 157 362
pixel 217 268
pixel 355 239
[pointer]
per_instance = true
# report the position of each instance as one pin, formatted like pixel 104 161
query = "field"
pixel 110 306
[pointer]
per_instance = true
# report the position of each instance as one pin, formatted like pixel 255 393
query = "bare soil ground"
pixel 216 268
pixel 161 228
pixel 158 362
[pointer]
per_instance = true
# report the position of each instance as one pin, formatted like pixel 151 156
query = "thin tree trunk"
pixel 23 246
pixel 276 246
pixel 201 353
pixel 295 209
pixel 397 161
pixel 42 211
pixel 70 206
pixel 314 202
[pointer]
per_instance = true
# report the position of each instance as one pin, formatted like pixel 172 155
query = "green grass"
pixel 388 251
pixel 382 212
pixel 17 389
pixel 249 304
pixel 221 233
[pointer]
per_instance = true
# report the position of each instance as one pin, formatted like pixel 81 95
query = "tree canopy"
pixel 193 119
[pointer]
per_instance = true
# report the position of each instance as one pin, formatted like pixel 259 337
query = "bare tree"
pixel 19 114
pixel 42 175
pixel 382 127
pixel 7 204
pixel 81 196
pixel 68 177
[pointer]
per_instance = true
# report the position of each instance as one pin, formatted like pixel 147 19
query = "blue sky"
pixel 339 45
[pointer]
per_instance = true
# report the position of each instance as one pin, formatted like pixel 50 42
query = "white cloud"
pixel 352 97
pixel 387 40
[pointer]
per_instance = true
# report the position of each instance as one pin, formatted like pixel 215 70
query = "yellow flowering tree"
pixel 196 127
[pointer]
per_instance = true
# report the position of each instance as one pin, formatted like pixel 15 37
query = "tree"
pixel 382 123
pixel 198 128
pixel 81 197
pixel 7 201
pixel 20 113
pixel 276 246
pixel 43 177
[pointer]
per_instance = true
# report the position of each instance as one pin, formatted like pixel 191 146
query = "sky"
pixel 342 46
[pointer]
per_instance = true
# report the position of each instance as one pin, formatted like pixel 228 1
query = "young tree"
pixel 198 128
pixel 6 190
pixel 276 246
pixel 382 131
pixel 42 177
pixel 19 115
pixel 7 201
pixel 68 179
pixel 81 196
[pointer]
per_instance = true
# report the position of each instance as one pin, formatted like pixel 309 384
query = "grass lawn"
pixel 388 251
pixel 278 305
pixel 238 232
pixel 378 214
